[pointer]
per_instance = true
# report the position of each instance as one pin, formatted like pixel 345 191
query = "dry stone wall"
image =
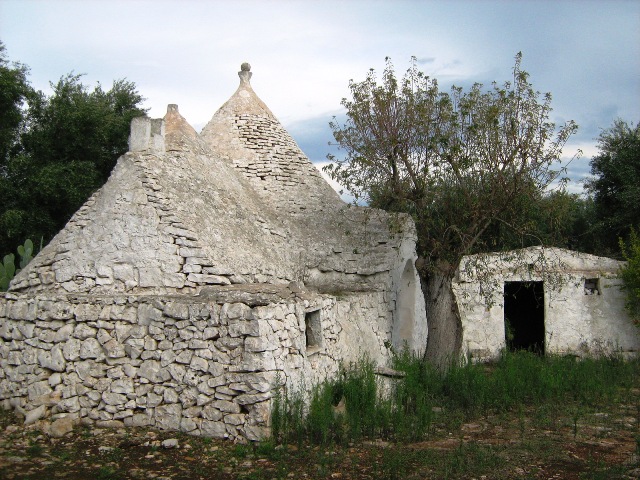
pixel 142 244
pixel 206 365
pixel 208 268
pixel 277 165
pixel 245 133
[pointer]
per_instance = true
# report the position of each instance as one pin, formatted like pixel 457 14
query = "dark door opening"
pixel 524 316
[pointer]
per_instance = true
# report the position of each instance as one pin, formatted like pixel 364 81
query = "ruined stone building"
pixel 206 270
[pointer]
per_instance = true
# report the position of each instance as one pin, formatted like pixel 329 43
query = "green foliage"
pixel 62 150
pixel 7 267
pixel 360 392
pixel 287 418
pixel 14 91
pixel 7 271
pixel 26 253
pixel 470 167
pixel 630 273
pixel 34 450
pixel 348 407
pixel 615 187
pixel 352 406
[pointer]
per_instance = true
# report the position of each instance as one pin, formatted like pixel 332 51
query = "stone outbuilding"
pixel 549 300
pixel 210 270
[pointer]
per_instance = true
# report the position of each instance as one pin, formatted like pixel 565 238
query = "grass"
pixel 107 473
pixel 426 395
pixel 34 450
pixel 522 417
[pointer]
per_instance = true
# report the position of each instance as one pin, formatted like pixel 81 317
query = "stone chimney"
pixel 147 134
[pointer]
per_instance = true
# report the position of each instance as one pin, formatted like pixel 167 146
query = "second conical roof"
pixel 245 133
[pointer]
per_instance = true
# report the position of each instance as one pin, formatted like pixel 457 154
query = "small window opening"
pixel 592 286
pixel 313 330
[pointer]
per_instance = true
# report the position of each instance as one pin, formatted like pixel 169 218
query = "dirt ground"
pixel 528 443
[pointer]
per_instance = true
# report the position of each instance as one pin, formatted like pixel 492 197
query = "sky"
pixel 586 53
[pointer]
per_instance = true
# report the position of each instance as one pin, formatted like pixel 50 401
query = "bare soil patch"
pixel 535 443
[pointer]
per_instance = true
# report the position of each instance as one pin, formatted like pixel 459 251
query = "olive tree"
pixel 471 167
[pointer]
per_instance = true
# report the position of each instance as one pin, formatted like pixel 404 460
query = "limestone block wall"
pixel 147 134
pixel 133 235
pixel 277 167
pixel 204 365
pixel 353 326
pixel 141 244
pixel 245 133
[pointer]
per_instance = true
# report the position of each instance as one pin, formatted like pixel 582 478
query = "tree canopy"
pixel 14 90
pixel 615 186
pixel 62 148
pixel 462 163
pixel 472 167
pixel 630 273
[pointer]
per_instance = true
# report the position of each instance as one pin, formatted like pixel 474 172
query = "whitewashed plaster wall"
pixel 583 324
pixel 575 322
pixel 410 318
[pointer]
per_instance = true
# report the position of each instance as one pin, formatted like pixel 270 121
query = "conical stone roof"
pixel 245 133
pixel 240 203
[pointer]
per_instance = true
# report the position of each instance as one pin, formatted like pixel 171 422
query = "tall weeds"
pixel 352 406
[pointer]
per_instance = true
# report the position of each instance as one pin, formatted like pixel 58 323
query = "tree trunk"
pixel 444 340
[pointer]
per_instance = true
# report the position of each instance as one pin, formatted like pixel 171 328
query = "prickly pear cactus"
pixel 7 271
pixel 26 253
pixel 8 268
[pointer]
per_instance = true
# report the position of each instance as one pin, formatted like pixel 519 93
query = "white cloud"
pixel 303 53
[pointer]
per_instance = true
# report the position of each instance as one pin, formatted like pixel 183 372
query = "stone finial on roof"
pixel 245 73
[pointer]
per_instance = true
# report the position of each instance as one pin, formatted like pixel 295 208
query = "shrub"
pixel 7 266
pixel 630 273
